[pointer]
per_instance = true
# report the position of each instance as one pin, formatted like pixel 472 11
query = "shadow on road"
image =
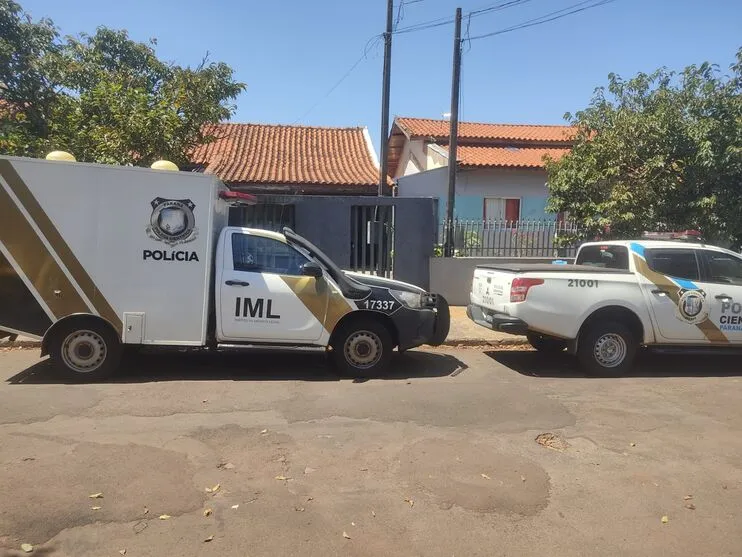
pixel 648 364
pixel 244 366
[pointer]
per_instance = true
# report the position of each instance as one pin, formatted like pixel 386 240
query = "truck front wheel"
pixel 362 348
pixel 84 350
pixel 607 349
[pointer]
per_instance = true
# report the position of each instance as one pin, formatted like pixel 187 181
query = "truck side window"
pixel 679 263
pixel 724 268
pixel 256 254
pixel 610 257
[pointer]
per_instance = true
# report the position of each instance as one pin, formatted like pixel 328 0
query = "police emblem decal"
pixel 692 307
pixel 172 221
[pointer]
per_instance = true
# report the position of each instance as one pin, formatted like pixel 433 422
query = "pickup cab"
pixel 617 297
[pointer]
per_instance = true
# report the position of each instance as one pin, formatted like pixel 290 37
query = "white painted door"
pixel 265 297
pixel 723 286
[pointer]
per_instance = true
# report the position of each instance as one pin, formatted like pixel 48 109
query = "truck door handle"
pixel 237 283
pixel 723 297
pixel 659 292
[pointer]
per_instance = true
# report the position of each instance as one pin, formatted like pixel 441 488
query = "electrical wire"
pixel 546 18
pixel 483 10
pixel 369 45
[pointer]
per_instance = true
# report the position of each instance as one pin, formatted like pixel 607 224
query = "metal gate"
pixel 268 216
pixel 372 239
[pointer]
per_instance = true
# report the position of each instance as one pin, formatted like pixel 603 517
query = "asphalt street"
pixel 239 455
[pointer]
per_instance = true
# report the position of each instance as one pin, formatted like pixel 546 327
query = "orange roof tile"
pixel 439 130
pixel 276 154
pixel 493 157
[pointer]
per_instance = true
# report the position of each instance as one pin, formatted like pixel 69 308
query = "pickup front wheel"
pixel 362 348
pixel 607 349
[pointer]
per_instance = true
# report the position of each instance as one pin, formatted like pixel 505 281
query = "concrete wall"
pixel 451 277
pixel 326 222
pixel 472 186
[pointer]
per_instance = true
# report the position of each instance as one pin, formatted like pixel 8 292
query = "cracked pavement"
pixel 439 458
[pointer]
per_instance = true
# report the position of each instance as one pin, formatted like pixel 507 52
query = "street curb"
pixel 21 344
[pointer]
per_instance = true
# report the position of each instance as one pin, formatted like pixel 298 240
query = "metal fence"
pixel 489 238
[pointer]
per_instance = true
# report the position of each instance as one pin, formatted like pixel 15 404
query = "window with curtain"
pixel 501 209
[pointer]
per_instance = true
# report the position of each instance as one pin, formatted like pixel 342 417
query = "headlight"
pixel 409 299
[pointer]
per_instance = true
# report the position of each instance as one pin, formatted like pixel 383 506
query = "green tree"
pixel 27 88
pixel 110 99
pixel 657 152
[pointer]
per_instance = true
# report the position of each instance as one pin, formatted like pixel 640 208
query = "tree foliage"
pixel 658 152
pixel 103 97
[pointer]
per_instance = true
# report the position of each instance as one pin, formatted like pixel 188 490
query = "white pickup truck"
pixel 617 297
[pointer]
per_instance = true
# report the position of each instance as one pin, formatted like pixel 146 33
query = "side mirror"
pixel 311 269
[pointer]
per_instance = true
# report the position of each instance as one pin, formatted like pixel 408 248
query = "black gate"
pixel 372 239
pixel 268 216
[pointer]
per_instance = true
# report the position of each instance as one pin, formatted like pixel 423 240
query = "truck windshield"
pixel 607 256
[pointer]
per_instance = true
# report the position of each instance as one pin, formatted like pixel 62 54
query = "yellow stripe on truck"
pixel 708 328
pixel 69 260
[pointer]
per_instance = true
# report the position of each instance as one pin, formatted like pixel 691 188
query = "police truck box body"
pixel 95 257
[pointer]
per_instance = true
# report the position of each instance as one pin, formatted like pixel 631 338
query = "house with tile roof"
pixel 290 160
pixel 501 173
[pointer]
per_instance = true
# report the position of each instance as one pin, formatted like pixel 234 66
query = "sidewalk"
pixel 464 332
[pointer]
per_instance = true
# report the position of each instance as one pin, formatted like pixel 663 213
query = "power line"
pixel 345 76
pixel 483 10
pixel 546 18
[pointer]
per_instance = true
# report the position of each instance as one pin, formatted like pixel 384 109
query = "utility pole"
pixel 385 90
pixel 454 137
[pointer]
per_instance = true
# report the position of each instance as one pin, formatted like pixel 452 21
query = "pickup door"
pixel 264 297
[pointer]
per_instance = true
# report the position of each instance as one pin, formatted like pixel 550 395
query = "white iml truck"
pixel 96 258
pixel 617 297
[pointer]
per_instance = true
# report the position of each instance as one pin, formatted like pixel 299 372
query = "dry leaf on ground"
pixel 552 441
pixel 373 513
pixel 235 506
pixel 122 551
pixel 282 478
pixel 522 478
pixel 96 496
pixel 486 477
pixel 207 512
pixel 299 509
pixel 410 502
pixel 688 497
pixel 665 519
pixel 95 508
pixel 164 516
pixel 208 539
pixel 690 507
pixel 264 432
pixel 27 547
pixel 346 536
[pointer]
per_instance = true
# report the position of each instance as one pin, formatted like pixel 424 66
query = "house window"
pixel 502 209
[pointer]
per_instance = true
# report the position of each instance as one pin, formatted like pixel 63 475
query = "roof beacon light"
pixel 61 156
pixel 681 236
pixel 164 165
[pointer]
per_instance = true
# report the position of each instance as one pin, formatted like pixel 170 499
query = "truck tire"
pixel 362 348
pixel 607 349
pixel 85 350
pixel 546 344
pixel 442 321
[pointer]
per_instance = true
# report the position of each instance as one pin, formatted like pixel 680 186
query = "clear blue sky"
pixel 291 52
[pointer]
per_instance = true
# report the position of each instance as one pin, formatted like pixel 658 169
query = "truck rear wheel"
pixel 362 348
pixel 546 344
pixel 607 349
pixel 85 350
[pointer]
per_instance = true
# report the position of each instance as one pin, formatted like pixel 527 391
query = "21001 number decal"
pixel 380 305
pixel 574 283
